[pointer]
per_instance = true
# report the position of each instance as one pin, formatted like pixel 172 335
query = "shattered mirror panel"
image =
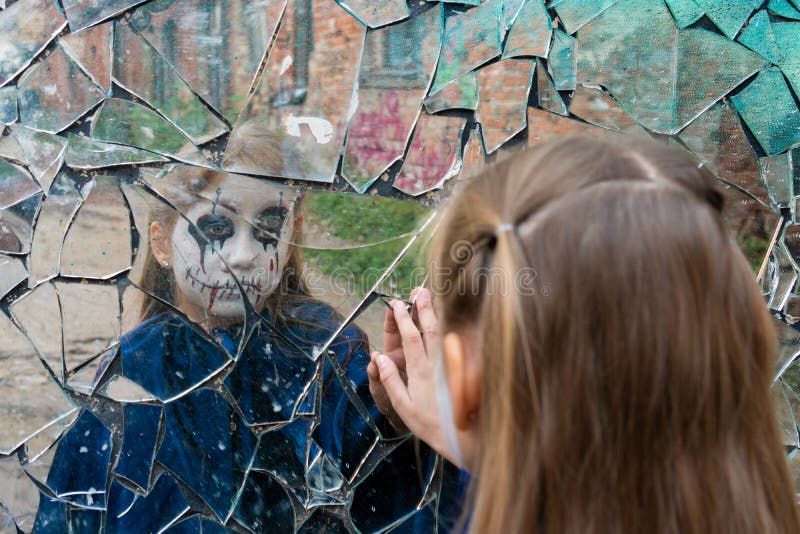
pixel 396 68
pixel 294 123
pixel 220 70
pixel 54 93
pixel 207 205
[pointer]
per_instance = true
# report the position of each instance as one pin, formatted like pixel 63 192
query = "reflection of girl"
pixel 250 424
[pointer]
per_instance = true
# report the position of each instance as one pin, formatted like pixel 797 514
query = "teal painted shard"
pixel 549 98
pixel 662 76
pixel 575 14
pixel 685 12
pixel 729 15
pixel 511 9
pixel 470 39
pixel 783 8
pixel 778 42
pixel 458 94
pixel 127 123
pixel 769 110
pixel 530 34
pixel 758 37
pixel 562 60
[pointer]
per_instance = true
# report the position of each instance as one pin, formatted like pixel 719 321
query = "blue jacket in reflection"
pixel 253 431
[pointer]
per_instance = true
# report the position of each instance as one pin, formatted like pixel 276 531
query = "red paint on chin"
pixel 213 298
pixel 271 265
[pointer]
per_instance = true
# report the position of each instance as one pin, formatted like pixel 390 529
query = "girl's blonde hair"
pixel 627 364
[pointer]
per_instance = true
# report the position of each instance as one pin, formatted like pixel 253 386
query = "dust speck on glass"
pixel 205 205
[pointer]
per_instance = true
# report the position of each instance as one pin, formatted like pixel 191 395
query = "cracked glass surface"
pixel 396 70
pixel 295 121
pixel 531 31
pixel 503 89
pixel 202 225
pixel 54 93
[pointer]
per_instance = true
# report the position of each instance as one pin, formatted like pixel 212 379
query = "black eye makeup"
pixel 269 224
pixel 212 229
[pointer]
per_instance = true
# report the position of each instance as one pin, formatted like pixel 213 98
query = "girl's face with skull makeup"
pixel 234 241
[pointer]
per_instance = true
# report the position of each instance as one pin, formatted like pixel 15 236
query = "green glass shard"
pixel 549 98
pixel 434 154
pixel 685 12
pixel 389 94
pixel 511 10
pixel 8 104
pixel 127 123
pixel 55 93
pixel 25 29
pixel 562 60
pixel 470 39
pixel 139 68
pixel 503 89
pixel 84 153
pixel 776 126
pixel 596 107
pixel 662 76
pixel 575 14
pixel 783 8
pixel 718 139
pixel 758 37
pixel 461 93
pixel 776 171
pixel 530 34
pixel 374 14
pixel 729 15
pixel 221 44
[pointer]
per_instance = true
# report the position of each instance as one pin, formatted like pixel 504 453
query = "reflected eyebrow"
pixel 228 207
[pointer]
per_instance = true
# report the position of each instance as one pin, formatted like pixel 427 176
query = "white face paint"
pixel 239 231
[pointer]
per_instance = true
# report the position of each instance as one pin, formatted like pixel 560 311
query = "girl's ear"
pixel 464 380
pixel 160 243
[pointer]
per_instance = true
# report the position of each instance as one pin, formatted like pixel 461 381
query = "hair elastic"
pixel 505 227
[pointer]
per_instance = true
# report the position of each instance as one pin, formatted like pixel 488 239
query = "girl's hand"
pixel 392 345
pixel 406 371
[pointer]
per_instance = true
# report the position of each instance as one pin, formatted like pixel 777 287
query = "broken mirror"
pixel 471 38
pixel 396 69
pixel 186 320
pixel 294 123
pixel 656 79
pixel 25 29
pixel 54 93
pixel 221 70
pixel 503 89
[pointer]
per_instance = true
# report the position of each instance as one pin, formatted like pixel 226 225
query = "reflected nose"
pixel 243 252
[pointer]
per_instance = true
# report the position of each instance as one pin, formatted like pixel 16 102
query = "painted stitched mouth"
pixel 223 290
